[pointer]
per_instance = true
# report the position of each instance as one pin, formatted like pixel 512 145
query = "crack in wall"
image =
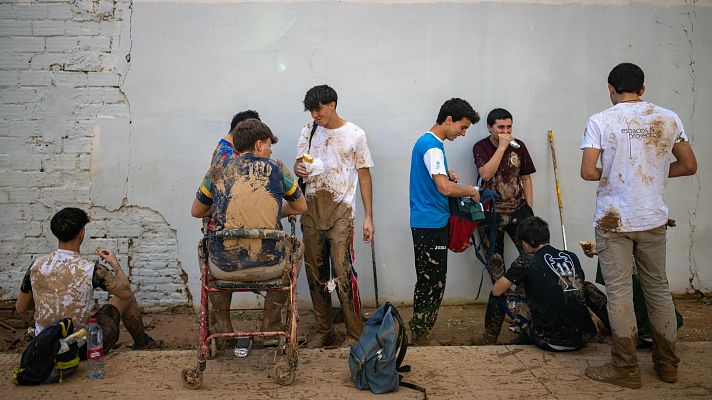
pixel 692 219
pixel 691 13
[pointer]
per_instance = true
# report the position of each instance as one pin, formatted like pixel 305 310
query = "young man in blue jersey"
pixel 431 183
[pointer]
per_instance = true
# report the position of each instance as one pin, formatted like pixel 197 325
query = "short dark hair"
pixel 242 116
pixel 534 231
pixel 498 113
pixel 318 95
pixel 68 222
pixel 247 132
pixel 457 109
pixel 626 78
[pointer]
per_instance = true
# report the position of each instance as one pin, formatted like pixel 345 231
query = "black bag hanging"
pixel 300 181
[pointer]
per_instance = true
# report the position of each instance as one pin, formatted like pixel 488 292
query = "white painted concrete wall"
pixel 194 64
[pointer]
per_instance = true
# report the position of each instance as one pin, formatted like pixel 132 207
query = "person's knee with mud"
pixel 62 284
pixel 553 284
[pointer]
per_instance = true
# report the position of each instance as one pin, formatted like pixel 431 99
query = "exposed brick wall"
pixel 61 66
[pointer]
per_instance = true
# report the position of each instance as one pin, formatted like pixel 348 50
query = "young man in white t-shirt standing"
pixel 328 224
pixel 640 145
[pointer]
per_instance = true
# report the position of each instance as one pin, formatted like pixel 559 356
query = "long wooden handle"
pixel 558 185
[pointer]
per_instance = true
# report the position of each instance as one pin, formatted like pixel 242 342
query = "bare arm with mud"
pixel 122 287
pixel 488 170
pixel 589 170
pixel 685 163
pixel 296 207
pixel 199 210
pixel 366 185
pixel 500 287
pixel 449 188
pixel 528 189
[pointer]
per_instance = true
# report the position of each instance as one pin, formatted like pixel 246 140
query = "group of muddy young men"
pixel 639 146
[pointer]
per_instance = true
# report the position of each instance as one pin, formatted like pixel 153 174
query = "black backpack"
pixel 40 358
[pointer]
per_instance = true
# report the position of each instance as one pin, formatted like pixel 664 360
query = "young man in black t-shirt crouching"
pixel 554 286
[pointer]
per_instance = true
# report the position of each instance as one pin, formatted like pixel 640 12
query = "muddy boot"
pixel 609 373
pixel 320 340
pixel 483 339
pixel 666 373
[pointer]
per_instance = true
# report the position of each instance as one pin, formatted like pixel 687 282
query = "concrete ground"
pixel 448 372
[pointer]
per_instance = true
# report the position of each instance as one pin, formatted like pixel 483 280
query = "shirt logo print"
pixel 563 267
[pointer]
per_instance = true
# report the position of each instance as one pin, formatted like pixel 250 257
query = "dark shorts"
pixel 108 318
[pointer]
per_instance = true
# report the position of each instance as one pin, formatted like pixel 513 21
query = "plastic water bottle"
pixel 95 350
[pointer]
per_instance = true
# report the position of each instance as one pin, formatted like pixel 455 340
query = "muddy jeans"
pixel 494 316
pixel 617 266
pixel 332 248
pixel 430 247
pixel 274 301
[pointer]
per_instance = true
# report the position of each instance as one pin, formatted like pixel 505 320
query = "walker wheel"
pixel 282 374
pixel 192 378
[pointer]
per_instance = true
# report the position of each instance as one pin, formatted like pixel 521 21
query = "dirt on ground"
pixel 455 326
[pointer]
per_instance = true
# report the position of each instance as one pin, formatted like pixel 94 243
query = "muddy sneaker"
pixel 483 339
pixel 150 344
pixel 609 373
pixel 522 339
pixel 321 340
pixel 666 373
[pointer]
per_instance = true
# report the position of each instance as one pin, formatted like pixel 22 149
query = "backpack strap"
pixel 412 386
pixel 401 342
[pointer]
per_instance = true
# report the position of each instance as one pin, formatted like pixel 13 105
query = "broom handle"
pixel 558 186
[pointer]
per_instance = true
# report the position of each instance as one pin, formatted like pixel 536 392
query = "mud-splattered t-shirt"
pixel 247 193
pixel 223 151
pixel 636 141
pixel 508 178
pixel 62 285
pixel 330 195
pixel 553 285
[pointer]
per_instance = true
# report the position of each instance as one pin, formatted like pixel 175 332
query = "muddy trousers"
pixel 430 246
pixel 506 223
pixel 327 254
pixel 524 324
pixel 617 252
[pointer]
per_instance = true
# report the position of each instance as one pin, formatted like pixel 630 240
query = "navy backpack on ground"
pixel 375 360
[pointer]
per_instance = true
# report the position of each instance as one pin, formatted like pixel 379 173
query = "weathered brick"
pixel 34 229
pixel 47 60
pixel 4 197
pixel 76 145
pixel 29 11
pixel 59 162
pixel 123 230
pixel 62 43
pixel 83 61
pixel 66 78
pixel 11 60
pixel 15 28
pixel 59 11
pixel 35 78
pixel 84 162
pixel 22 44
pixel 23 196
pixel 103 79
pixel 21 95
pixel 89 28
pixel 25 161
pixel 110 28
pixel 13 112
pixel 48 28
pixel 9 78
pixel 98 95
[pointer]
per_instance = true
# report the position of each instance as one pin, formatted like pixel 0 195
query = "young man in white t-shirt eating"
pixel 328 224
pixel 640 145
